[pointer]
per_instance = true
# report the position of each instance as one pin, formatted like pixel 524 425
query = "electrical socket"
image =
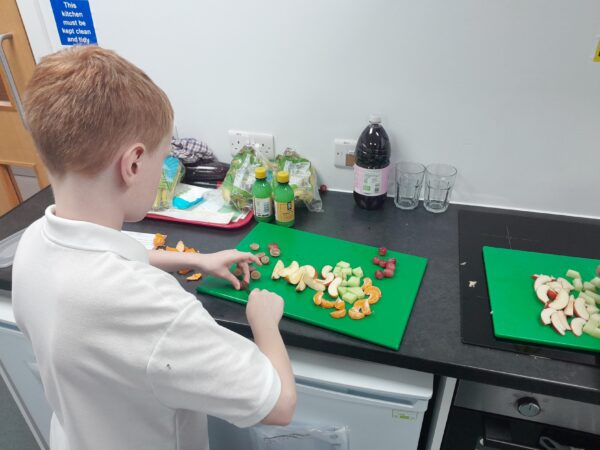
pixel 344 152
pixel 263 143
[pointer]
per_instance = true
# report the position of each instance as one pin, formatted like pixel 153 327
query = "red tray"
pixel 229 226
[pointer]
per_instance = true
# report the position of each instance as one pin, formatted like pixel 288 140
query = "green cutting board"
pixel 515 307
pixel 390 315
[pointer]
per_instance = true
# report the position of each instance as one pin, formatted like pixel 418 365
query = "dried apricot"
pixel 194 277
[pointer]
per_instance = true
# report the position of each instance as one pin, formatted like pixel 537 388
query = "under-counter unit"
pixel 343 404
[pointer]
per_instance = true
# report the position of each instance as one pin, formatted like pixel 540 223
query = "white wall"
pixel 505 90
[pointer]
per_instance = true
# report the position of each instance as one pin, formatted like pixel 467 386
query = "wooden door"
pixel 16 145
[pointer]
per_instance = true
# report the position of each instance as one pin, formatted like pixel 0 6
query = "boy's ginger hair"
pixel 85 103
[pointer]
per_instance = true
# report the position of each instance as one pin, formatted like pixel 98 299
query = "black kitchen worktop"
pixel 432 341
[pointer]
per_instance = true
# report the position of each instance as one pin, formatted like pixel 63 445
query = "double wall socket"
pixel 344 152
pixel 264 143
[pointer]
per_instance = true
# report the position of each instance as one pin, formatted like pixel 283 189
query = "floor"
pixel 14 433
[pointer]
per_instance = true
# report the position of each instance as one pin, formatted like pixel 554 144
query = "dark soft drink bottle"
pixel 372 165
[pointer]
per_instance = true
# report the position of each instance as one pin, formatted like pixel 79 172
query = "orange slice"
pixel 318 298
pixel 159 240
pixel 366 283
pixel 338 314
pixel 355 314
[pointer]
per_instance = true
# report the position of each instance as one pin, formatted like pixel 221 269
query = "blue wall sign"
pixel 74 22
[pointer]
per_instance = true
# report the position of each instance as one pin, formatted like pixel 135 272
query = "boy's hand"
pixel 218 264
pixel 264 309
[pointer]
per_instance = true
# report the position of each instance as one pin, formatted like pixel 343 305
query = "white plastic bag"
pixel 301 437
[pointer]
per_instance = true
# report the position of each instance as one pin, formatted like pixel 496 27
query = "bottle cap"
pixel 260 172
pixel 283 177
pixel 375 118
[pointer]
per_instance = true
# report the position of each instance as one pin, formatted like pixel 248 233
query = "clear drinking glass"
pixel 439 181
pixel 409 179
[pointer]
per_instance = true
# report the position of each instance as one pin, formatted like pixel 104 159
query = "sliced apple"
pixel 562 300
pixel 332 289
pixel 563 320
pixel 565 284
pixel 275 275
pixel 313 284
pixel 577 325
pixel 293 267
pixel 325 270
pixel 542 293
pixel 577 284
pixel 592 309
pixel 555 286
pixel 546 314
pixel 557 323
pixel 540 281
pixel 328 279
pixel 295 277
pixel 569 307
pixel 580 310
pixel 310 271
pixel 300 286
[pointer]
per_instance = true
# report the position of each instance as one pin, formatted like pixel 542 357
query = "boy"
pixel 128 359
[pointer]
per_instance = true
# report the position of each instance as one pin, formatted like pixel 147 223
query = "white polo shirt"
pixel 128 359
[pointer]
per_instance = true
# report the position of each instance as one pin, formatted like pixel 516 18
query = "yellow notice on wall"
pixel 597 53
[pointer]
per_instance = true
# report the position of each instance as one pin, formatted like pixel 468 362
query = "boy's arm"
pixel 264 310
pixel 216 264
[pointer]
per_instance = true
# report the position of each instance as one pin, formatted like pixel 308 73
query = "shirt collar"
pixel 92 237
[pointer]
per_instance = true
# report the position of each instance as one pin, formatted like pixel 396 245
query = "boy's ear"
pixel 131 160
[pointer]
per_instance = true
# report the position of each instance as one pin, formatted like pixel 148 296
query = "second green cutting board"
pixel 515 307
pixel 390 315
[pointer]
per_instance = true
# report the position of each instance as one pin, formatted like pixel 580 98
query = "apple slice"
pixel 592 309
pixel 577 325
pixel 557 323
pixel 580 309
pixel 540 281
pixel 563 320
pixel 301 285
pixel 313 284
pixel 310 271
pixel 555 286
pixel 546 314
pixel 328 279
pixel 325 270
pixel 542 293
pixel 565 284
pixel 332 289
pixel 562 300
pixel 569 307
pixel 275 275
pixel 295 277
pixel 293 267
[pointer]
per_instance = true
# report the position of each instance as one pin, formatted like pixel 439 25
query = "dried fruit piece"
pixel 338 314
pixel 238 272
pixel 180 247
pixel 159 240
pixel 255 275
pixel 275 252
pixel 194 277
pixel 184 271
pixel 265 259
pixel 254 246
pixel 260 255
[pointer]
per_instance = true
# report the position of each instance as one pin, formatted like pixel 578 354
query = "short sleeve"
pixel 201 366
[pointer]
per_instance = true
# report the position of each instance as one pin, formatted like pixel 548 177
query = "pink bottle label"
pixel 371 182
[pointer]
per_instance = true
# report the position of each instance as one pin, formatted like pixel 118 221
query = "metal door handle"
pixel 11 80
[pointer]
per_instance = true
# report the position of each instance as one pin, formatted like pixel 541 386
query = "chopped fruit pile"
pixel 389 266
pixel 563 299
pixel 342 283
pixel 160 243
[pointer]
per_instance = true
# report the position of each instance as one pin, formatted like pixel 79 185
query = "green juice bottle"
pixel 262 201
pixel 284 201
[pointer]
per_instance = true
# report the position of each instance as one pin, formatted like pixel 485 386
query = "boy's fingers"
pixel 233 280
pixel 246 270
